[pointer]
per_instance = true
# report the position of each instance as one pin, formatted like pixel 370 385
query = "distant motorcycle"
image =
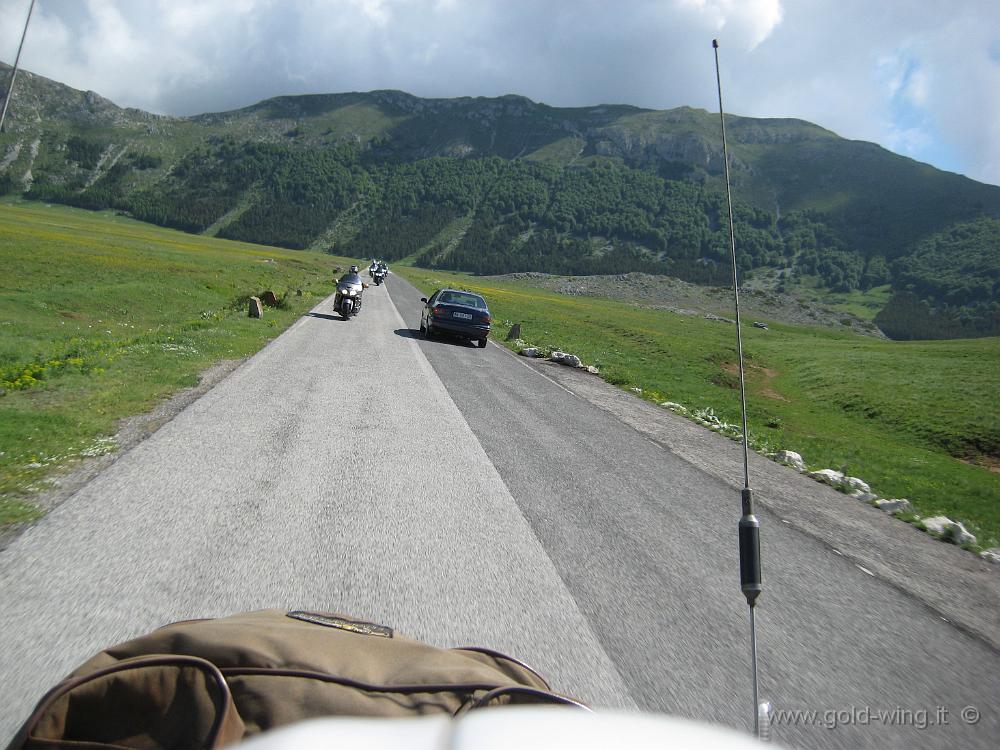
pixel 347 300
pixel 379 274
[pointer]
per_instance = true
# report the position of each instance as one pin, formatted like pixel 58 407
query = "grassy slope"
pixel 892 413
pixel 101 316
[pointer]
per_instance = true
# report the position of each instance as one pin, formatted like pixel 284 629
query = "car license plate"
pixel 466 316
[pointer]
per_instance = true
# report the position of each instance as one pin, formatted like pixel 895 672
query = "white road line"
pixel 517 359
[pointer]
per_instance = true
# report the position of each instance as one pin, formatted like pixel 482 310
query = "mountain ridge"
pixel 574 189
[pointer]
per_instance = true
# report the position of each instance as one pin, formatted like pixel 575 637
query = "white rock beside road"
pixel 791 458
pixel 570 360
pixel 856 485
pixel 952 531
pixel 895 505
pixel 830 476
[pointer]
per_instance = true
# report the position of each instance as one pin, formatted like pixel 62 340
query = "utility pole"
pixel 17 60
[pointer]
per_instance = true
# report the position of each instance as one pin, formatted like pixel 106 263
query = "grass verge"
pixel 101 317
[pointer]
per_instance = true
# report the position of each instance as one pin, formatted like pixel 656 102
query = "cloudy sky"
pixel 920 77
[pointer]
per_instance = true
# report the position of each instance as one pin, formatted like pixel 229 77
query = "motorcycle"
pixel 379 274
pixel 347 300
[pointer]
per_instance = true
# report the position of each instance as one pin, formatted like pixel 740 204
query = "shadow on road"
pixel 409 333
pixel 325 316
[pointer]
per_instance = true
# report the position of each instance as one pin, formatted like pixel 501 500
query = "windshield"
pixel 462 298
pixel 350 278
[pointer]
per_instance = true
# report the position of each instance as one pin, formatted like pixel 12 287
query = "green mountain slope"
pixel 494 185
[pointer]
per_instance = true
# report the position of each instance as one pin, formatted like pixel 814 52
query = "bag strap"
pixel 519 695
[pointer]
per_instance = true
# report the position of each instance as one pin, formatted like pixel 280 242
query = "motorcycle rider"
pixel 352 277
pixel 372 267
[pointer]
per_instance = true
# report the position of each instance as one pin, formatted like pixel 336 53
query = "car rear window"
pixel 460 298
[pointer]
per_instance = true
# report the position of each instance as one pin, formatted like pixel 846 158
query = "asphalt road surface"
pixel 466 497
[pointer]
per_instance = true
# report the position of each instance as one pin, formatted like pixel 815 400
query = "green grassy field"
pixel 102 316
pixel 900 415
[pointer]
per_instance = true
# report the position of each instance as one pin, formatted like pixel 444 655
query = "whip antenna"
pixel 749 527
pixel 13 72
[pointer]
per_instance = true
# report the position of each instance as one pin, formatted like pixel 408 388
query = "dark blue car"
pixel 456 313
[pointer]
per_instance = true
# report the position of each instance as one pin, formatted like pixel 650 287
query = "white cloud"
pixel 917 87
pixel 375 10
pixel 909 141
pixel 865 70
pixel 752 21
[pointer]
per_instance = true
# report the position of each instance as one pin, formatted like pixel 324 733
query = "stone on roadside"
pixel 937 524
pixel 856 485
pixel 895 505
pixel 829 476
pixel 256 310
pixel 960 535
pixel 758 324
pixel 269 299
pixel 570 360
pixel 529 351
pixel 514 332
pixel 791 458
pixel 593 370
pixel 864 497
pixel 950 531
pixel 991 555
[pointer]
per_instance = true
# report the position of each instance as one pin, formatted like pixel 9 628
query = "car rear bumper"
pixel 468 330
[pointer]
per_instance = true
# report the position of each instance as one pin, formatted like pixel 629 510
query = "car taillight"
pixel 487 319
pixel 438 311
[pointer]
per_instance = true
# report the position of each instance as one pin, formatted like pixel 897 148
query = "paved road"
pixel 646 544
pixel 464 497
